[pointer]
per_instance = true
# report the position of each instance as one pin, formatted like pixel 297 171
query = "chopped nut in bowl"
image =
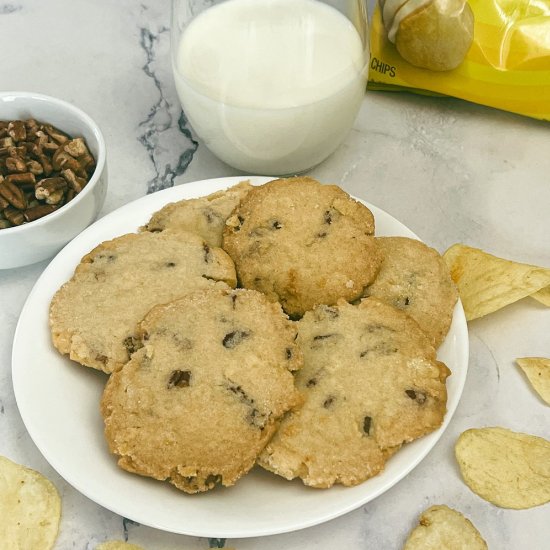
pixel 53 176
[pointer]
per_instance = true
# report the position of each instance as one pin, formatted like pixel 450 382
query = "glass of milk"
pixel 270 86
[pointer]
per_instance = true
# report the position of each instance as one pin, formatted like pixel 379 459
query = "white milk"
pixel 271 86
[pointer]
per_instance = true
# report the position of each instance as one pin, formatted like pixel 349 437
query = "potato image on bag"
pixel 430 34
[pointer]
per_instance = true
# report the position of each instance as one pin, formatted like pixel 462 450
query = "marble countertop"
pixel 451 171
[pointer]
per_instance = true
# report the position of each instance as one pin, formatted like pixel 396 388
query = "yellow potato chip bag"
pixel 506 468
pixel 487 283
pixel 491 52
pixel 441 527
pixel 30 508
pixel 537 370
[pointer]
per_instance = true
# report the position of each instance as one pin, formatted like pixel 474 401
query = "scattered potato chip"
pixel 487 283
pixel 543 296
pixel 441 527
pixel 537 370
pixel 509 469
pixel 30 508
pixel 117 545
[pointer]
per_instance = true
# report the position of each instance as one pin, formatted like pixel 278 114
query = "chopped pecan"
pixel 76 147
pixel 56 197
pixel 31 125
pixel 17 130
pixel 17 151
pixel 34 167
pixel 415 395
pixel 75 182
pixel 56 134
pixel 21 180
pixel 87 164
pixel 48 186
pixel 38 211
pixel 62 160
pixel 234 338
pixel 13 194
pixel 16 164
pixel 13 215
pixel 46 164
pixel 367 425
pixel 207 255
pixel 41 168
pixel 70 195
pixel 131 343
pixel 49 148
pixel 179 378
pixel 6 142
pixel 327 403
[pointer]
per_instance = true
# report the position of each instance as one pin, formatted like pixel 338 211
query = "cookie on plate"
pixel 93 317
pixel 371 382
pixel 199 401
pixel 414 277
pixel 302 243
pixel 205 215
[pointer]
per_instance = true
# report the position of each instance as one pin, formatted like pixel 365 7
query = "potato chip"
pixel 509 469
pixel 117 545
pixel 543 296
pixel 487 283
pixel 442 527
pixel 537 370
pixel 30 508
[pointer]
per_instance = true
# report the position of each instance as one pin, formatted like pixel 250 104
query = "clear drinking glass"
pixel 270 86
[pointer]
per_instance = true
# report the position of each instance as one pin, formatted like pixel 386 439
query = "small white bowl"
pixel 42 238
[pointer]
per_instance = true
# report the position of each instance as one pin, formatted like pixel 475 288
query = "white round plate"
pixel 59 404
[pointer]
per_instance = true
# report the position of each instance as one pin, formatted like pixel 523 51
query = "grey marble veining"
pixel 6 9
pixel 163 125
pixel 449 170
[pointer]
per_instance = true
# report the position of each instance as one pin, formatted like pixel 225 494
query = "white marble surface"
pixel 451 171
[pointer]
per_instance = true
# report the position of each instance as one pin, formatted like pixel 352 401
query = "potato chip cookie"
pixel 205 215
pixel 415 278
pixel 371 382
pixel 93 317
pixel 199 401
pixel 302 243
